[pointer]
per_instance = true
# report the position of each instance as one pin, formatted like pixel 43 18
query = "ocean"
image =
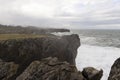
pixel 99 49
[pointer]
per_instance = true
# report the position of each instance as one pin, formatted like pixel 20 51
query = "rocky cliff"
pixel 45 57
pixel 21 52
pixel 26 50
pixel 115 71
pixel 50 69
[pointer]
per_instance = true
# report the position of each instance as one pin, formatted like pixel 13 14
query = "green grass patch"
pixel 19 36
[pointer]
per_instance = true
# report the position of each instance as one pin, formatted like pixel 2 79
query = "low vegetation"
pixel 19 36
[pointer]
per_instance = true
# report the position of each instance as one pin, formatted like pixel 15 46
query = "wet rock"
pixel 50 69
pixel 115 71
pixel 91 73
pixel 7 70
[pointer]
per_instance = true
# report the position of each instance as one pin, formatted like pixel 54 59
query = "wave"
pixel 62 33
pixel 98 40
pixel 96 51
pixel 98 57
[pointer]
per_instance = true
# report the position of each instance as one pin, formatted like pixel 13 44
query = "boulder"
pixel 91 73
pixel 115 71
pixel 50 69
pixel 7 70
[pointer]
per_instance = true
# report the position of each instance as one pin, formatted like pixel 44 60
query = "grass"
pixel 19 36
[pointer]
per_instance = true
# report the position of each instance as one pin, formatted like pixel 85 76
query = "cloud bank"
pixel 85 14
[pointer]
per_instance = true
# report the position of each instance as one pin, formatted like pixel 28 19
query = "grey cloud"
pixel 92 17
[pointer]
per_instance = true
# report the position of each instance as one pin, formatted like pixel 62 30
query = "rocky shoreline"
pixel 45 58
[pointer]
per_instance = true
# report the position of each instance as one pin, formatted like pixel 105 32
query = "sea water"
pixel 99 49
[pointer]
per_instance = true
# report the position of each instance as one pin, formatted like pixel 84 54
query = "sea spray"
pixel 98 57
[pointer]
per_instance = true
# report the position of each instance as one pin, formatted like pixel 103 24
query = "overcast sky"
pixel 103 14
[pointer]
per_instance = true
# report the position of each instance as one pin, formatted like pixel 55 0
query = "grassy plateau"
pixel 19 36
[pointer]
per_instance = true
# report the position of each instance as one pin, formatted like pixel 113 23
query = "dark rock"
pixel 7 70
pixel 26 50
pixel 27 59
pixel 57 30
pixel 50 69
pixel 91 73
pixel 115 71
pixel 64 48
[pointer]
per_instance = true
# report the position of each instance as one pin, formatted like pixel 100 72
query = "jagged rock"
pixel 50 69
pixel 7 69
pixel 26 50
pixel 91 73
pixel 115 71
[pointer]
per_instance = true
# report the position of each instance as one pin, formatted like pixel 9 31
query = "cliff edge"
pixel 20 52
pixel 42 57
pixel 25 50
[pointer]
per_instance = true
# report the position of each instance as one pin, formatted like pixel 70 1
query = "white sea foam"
pixel 88 40
pixel 98 57
pixel 62 33
pixel 92 53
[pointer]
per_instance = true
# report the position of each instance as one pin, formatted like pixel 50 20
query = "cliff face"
pixel 115 71
pixel 43 58
pixel 20 53
pixel 27 50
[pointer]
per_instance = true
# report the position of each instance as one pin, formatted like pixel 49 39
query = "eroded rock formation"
pixel 44 58
pixel 91 73
pixel 27 50
pixel 50 69
pixel 24 51
pixel 7 69
pixel 115 71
